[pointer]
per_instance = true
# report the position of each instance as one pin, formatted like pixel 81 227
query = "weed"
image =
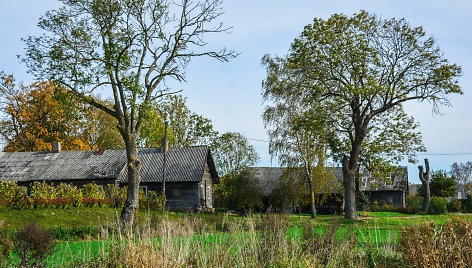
pixel 33 244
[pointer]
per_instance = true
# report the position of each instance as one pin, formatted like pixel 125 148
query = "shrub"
pixel 467 204
pixel 156 201
pixel 239 192
pixel 74 233
pixel 41 202
pixel 33 244
pixel 375 206
pixel 12 193
pixel 414 203
pixel 363 202
pixel 43 190
pixel 438 205
pixel 93 191
pixel 71 192
pixel 91 202
pixel 454 205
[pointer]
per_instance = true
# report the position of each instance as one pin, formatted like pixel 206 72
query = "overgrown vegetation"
pixel 64 195
pixel 380 239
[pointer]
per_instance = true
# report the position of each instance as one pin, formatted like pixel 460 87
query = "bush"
pixel 74 233
pixel 93 191
pixel 414 203
pixel 454 205
pixel 33 244
pixel 43 190
pixel 467 204
pixel 12 194
pixel 74 194
pixel 239 192
pixel 363 201
pixel 438 205
pixel 66 195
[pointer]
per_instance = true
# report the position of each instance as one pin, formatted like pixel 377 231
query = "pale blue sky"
pixel 230 93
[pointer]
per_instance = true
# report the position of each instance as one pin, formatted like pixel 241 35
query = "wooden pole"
pixel 164 146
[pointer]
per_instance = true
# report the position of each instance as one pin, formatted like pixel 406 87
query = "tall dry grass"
pixel 253 242
pixel 448 245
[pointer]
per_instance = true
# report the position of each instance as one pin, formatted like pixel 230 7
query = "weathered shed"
pixel 190 172
pixel 392 191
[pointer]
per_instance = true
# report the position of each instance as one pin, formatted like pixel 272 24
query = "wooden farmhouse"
pixel 392 191
pixel 190 171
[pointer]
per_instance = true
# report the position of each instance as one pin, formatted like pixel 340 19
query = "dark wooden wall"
pixel 205 190
pixel 393 198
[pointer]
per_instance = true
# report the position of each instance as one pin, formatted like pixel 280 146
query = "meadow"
pixel 90 237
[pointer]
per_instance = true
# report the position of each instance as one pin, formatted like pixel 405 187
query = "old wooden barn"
pixel 392 191
pixel 190 171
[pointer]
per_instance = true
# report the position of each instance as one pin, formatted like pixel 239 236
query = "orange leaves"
pixel 38 114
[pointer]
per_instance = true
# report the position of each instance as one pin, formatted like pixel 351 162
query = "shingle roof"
pixel 66 165
pixel 267 177
pixel 183 164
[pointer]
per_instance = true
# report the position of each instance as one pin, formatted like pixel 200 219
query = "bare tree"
pixel 425 178
pixel 462 173
pixel 130 47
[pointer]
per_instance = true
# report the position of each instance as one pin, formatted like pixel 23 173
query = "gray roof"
pixel 66 165
pixel 183 164
pixel 268 176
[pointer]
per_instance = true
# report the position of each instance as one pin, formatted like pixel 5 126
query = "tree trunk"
pixel 424 177
pixel 349 181
pixel 130 209
pixel 350 165
pixel 312 199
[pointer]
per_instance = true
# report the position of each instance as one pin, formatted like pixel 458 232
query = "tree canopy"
pixel 441 185
pixel 297 130
pixel 186 128
pixel 361 69
pixel 130 48
pixel 233 153
pixel 36 115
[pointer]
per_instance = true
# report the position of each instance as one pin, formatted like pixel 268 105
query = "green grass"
pixel 374 227
pixel 51 217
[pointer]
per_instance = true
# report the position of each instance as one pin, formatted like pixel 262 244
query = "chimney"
pixel 164 145
pixel 56 147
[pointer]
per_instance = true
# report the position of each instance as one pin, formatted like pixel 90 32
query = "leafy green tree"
pixel 102 132
pixel 186 128
pixel 362 69
pixel 296 142
pixel 441 185
pixel 128 47
pixel 239 192
pixel 290 190
pixel 232 153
